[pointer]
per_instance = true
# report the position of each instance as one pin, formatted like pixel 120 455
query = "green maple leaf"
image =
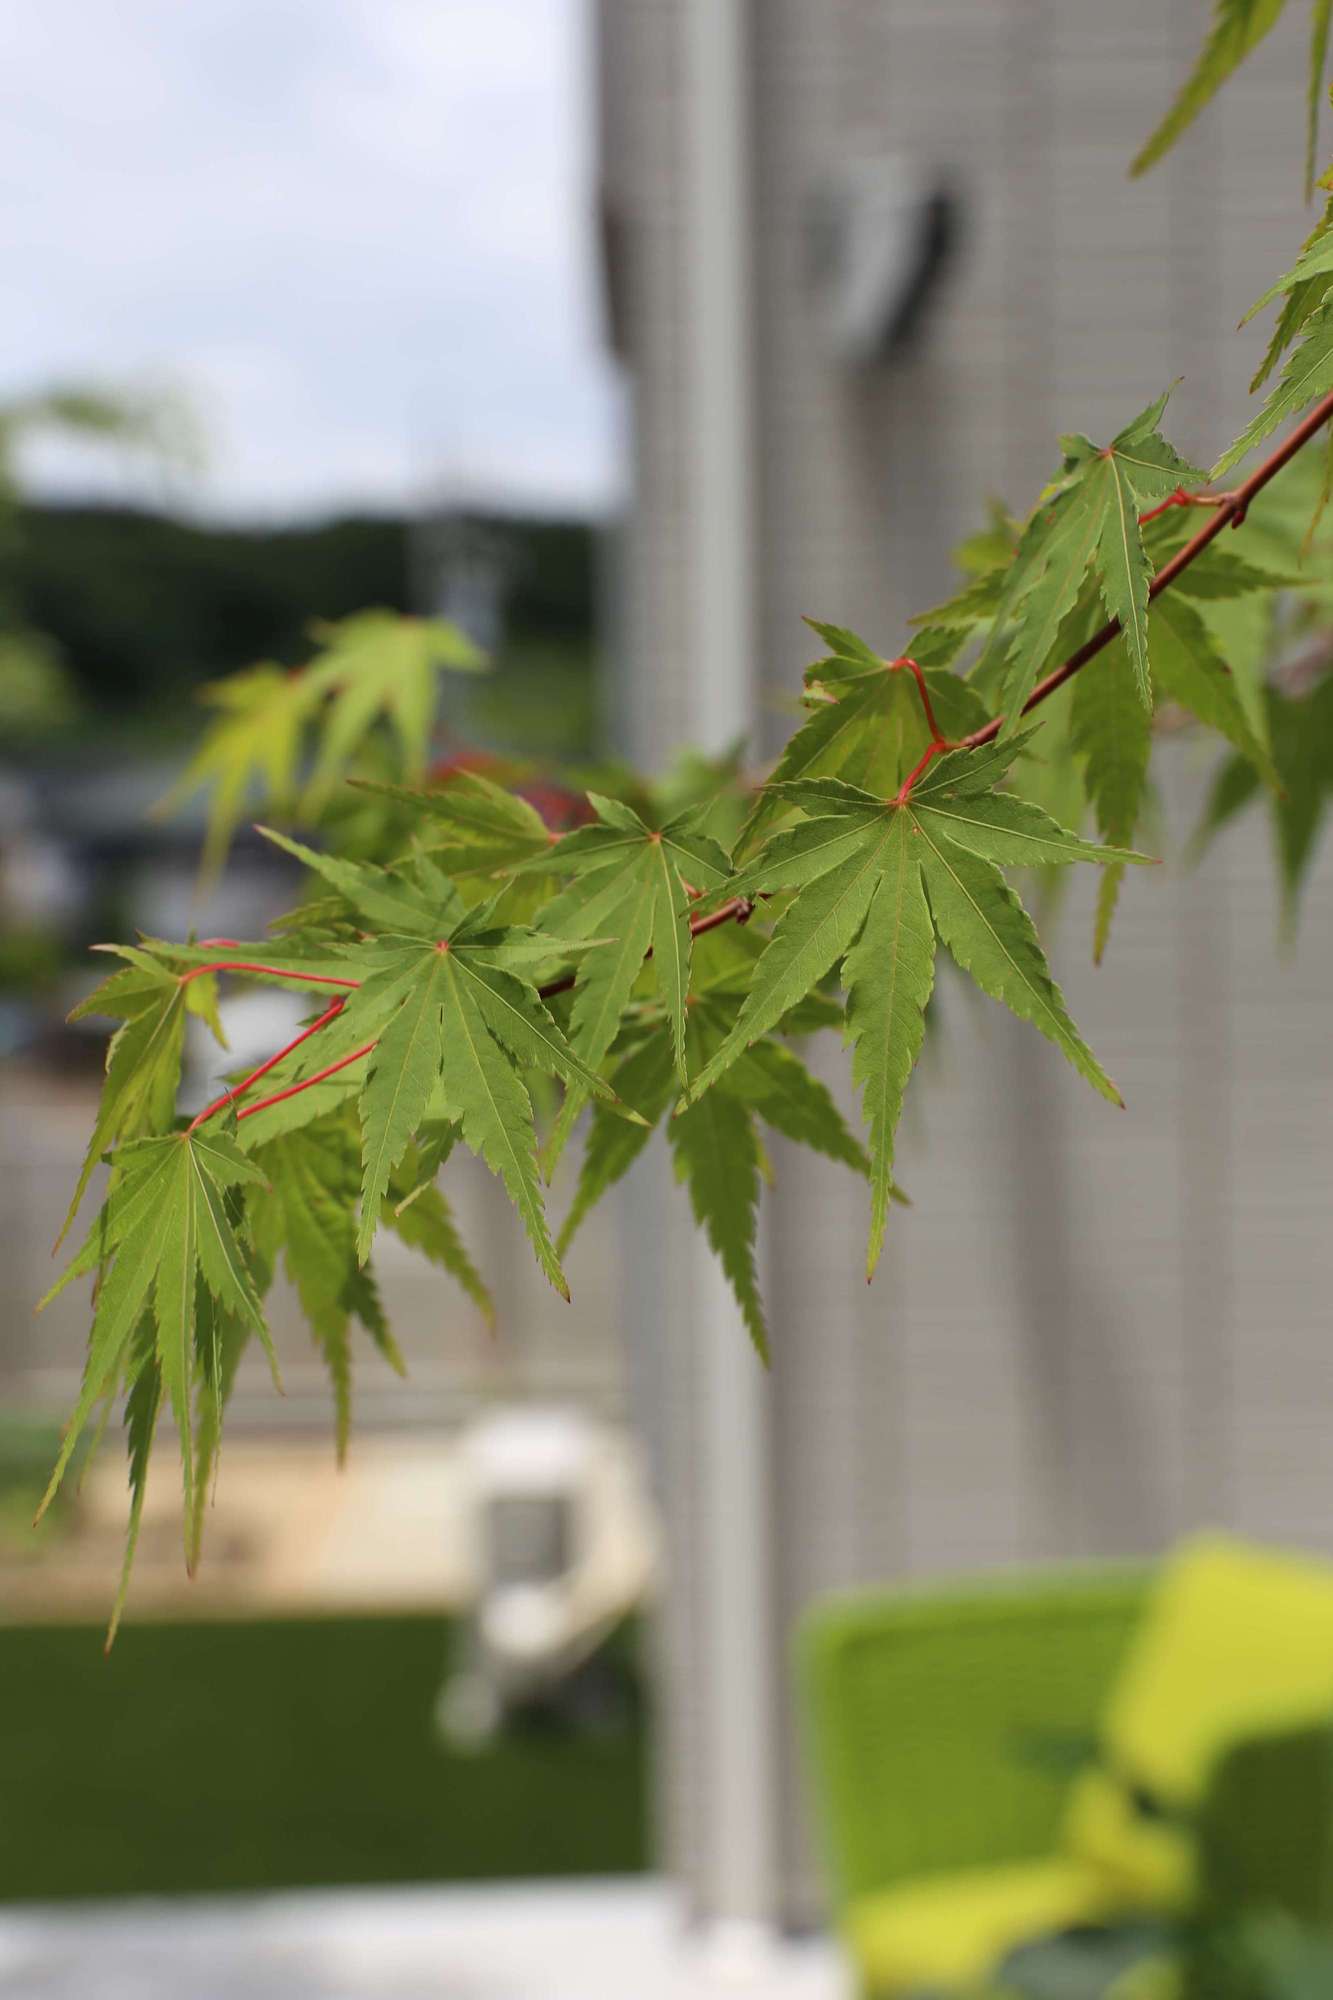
pixel 846 645
pixel 1112 732
pixel 483 827
pixel 1088 519
pixel 632 885
pixel 1049 565
pixel 377 665
pixel 144 1055
pixel 165 1238
pixel 1220 576
pixel 253 748
pixel 1321 21
pixel 142 1405
pixel 1308 373
pixel 419 1215
pixel 1305 285
pixel 1190 670
pixel 645 1076
pixel 716 1148
pixel 869 728
pixel 975 603
pixel 453 1022
pixel 1238 27
pixel 626 908
pixel 888 972
pixel 223 1339
pixel 877 881
pixel 715 1154
pixel 1301 734
pixel 1300 304
pixel 306 1213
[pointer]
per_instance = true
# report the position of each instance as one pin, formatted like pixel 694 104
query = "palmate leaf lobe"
pixel 165 1237
pixel 1086 521
pixel 454 1019
pixel 877 881
pixel 716 1151
pixel 634 885
pixel 1238 27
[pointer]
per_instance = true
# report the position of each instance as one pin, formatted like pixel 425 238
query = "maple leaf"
pixel 1308 373
pixel 142 1405
pixel 645 1076
pixel 1301 734
pixel 377 665
pixel 165 1236
pixel 485 828
pixel 253 747
pixel 870 728
pixel 716 1149
pixel 633 885
pixel 223 1340
pixel 419 1215
pixel 448 1023
pixel 1305 285
pixel 1321 21
pixel 306 1213
pixel 976 603
pixel 1238 27
pixel 881 838
pixel 1190 670
pixel 1112 731
pixel 878 880
pixel 143 1057
pixel 1088 518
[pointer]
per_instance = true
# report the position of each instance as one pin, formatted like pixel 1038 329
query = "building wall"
pixel 1094 1330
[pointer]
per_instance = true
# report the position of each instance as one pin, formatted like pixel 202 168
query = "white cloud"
pixel 358 231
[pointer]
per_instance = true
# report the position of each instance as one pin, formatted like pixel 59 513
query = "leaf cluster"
pixel 489 978
pixel 289 737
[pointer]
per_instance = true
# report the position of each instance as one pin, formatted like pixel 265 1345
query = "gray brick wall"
pixel 1134 1338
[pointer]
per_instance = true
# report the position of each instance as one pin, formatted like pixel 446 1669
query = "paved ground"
pixel 593 1941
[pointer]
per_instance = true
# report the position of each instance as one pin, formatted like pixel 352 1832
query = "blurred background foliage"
pixel 139 608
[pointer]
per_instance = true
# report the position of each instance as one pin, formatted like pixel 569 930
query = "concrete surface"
pixel 587 1941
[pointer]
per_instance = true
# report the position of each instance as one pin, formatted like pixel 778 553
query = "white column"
pixel 732 1564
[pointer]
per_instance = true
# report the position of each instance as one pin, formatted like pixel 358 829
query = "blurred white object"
pixel 558 1546
pixel 256 1022
pixel 38 883
pixel 883 231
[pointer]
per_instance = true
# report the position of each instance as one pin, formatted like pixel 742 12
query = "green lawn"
pixel 284 1753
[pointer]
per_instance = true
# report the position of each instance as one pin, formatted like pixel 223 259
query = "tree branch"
pixel 1230 512
pixel 739 910
pixel 239 1089
pixel 306 1083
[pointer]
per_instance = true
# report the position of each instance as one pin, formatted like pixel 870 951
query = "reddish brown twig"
pixel 928 756
pixel 906 664
pixel 1180 498
pixel 739 910
pixel 938 741
pixel 239 1089
pixel 306 1083
pixel 274 971
pixel 1230 511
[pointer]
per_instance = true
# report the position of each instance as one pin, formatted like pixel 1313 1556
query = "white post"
pixel 733 1562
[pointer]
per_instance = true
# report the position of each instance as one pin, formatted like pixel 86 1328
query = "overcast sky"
pixel 355 232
